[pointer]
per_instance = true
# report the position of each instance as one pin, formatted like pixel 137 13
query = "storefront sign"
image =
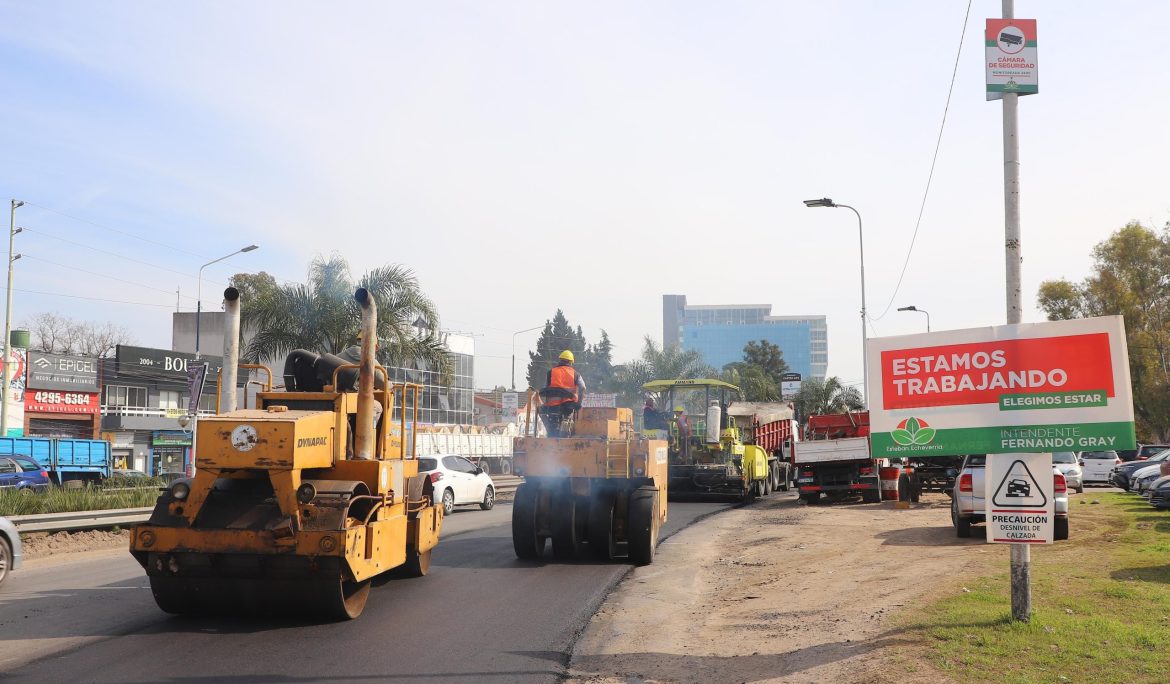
pixel 789 385
pixel 61 372
pixel 153 363
pixel 1010 51
pixel 50 401
pixel 175 438
pixel 1055 386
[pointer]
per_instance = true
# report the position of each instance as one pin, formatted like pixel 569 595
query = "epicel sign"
pixel 1061 385
pixel 1020 498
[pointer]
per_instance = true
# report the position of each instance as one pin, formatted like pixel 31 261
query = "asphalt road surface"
pixel 480 614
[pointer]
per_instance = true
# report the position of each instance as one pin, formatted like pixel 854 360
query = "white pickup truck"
pixel 967 504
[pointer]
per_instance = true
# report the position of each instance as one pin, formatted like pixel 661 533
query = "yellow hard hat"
pixel 678 409
pixel 568 356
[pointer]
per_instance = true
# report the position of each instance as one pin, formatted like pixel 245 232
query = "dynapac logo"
pixel 311 442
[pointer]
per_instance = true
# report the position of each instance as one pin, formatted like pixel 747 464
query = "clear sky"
pixel 525 156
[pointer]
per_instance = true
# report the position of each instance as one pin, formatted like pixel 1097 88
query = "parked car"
pixel 1070 466
pixel 23 474
pixel 1160 493
pixel 1145 451
pixel 9 549
pixel 458 481
pixel 1097 465
pixel 1144 477
pixel 123 472
pixel 967 501
pixel 1122 475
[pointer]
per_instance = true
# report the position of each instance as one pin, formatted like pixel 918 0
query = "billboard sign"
pixel 1010 52
pixel 55 401
pixel 62 372
pixel 509 404
pixel 160 364
pixel 789 385
pixel 1054 386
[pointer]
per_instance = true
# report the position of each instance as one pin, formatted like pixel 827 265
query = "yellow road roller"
pixel 300 502
pixel 598 492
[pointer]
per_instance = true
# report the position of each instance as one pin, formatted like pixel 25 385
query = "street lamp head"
pixel 249 248
pixel 15 257
pixel 908 308
pixel 822 202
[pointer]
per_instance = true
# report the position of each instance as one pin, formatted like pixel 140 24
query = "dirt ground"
pixel 778 592
pixel 43 544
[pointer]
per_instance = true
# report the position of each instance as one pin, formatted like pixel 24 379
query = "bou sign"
pixel 1055 386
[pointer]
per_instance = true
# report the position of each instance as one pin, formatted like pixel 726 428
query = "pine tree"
pixel 556 337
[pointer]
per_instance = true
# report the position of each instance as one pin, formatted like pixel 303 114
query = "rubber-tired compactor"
pixel 299 504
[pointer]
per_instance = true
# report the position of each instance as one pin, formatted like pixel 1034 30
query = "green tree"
pixel 1129 278
pixel 598 365
pixel 556 337
pixel 767 357
pixel 253 287
pixel 657 363
pixel 321 315
pixel 817 397
pixel 756 383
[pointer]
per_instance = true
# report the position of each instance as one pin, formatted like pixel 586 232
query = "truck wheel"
pixel 528 545
pixel 568 525
pixel 904 493
pixel 1060 528
pixel 505 467
pixel 766 484
pixel 871 496
pixel 784 480
pixel 602 544
pixel 642 528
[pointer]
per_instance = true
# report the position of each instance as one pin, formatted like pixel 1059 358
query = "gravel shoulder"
pixel 779 592
pixel 44 544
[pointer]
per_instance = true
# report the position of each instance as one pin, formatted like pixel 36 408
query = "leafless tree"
pixel 59 334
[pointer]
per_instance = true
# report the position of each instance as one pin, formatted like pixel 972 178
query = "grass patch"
pixel 1101 600
pixel 61 500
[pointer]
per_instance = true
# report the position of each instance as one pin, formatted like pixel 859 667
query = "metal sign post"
pixel 196 379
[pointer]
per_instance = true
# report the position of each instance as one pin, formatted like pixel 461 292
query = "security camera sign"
pixel 1054 386
pixel 1020 498
pixel 1010 51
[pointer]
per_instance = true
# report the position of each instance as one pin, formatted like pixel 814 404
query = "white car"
pixel 1070 466
pixel 458 481
pixel 1098 465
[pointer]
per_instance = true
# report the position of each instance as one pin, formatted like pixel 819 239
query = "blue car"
pixel 23 474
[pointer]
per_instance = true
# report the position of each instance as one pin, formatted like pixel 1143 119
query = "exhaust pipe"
pixel 364 434
pixel 231 350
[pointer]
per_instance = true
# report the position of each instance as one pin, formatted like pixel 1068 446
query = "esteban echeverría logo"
pixel 913 431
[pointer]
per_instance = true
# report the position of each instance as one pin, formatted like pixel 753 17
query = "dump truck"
pixel 772 427
pixel 712 457
pixel 835 460
pixel 69 462
pixel 298 503
pixel 599 490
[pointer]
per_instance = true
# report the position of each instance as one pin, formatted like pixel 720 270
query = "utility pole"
pixel 1021 554
pixel 12 231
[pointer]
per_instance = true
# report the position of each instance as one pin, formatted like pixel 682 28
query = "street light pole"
pixel 199 293
pixel 12 231
pixel 826 202
pixel 539 327
pixel 922 311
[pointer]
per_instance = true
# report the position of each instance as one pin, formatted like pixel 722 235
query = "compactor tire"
pixel 489 498
pixel 568 525
pixel 642 528
pixel 344 599
pixel 417 564
pixel 526 542
pixel 602 544
pixel 173 596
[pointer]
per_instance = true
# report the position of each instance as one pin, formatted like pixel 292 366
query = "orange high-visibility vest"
pixel 563 377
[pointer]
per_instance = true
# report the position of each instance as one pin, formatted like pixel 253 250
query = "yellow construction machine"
pixel 298 503
pixel 598 491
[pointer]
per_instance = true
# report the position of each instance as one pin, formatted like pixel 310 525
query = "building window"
pixel 121 395
pixel 168 399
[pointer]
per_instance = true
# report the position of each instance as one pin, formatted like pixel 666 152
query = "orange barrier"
pixel 889 483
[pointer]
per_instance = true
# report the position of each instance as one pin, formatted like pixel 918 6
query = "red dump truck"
pixel 773 428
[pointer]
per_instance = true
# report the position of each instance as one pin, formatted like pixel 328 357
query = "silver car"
pixel 967 500
pixel 9 549
pixel 1070 466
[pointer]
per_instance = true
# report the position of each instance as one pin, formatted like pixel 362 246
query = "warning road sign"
pixel 1020 498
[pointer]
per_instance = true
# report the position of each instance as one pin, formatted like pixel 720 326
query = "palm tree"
pixel 657 363
pixel 817 397
pixel 321 315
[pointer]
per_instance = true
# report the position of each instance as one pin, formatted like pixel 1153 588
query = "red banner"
pixel 980 373
pixel 52 401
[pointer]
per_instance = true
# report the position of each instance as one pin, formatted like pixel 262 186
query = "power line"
pixel 933 162
pixel 103 275
pixel 115 230
pixel 105 251
pixel 92 299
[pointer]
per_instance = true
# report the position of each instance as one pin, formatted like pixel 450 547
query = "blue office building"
pixel 720 333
